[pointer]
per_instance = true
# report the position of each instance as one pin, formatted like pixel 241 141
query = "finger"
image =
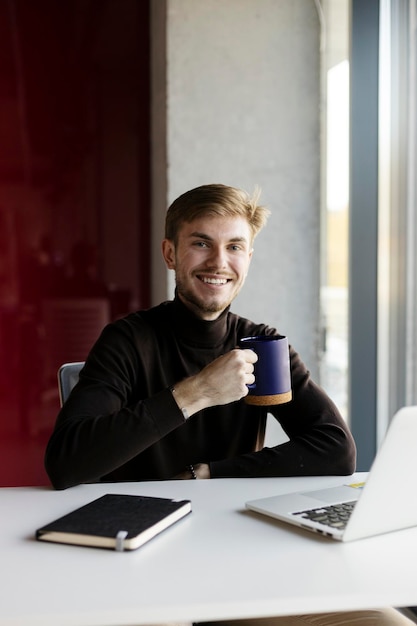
pixel 250 379
pixel 250 355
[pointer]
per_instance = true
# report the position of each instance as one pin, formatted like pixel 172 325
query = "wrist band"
pixel 192 471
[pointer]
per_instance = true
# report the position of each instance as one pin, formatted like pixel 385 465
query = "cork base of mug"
pixel 279 398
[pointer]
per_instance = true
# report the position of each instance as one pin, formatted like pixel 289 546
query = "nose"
pixel 217 257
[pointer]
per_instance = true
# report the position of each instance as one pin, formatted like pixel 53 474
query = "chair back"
pixel 68 375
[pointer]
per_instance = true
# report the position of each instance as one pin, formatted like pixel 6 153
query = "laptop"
pixel 387 501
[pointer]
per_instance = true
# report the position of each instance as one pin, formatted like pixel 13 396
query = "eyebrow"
pixel 208 238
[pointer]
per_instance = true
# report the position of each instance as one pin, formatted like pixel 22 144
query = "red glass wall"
pixel 74 195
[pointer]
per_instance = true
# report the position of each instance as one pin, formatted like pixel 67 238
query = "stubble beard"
pixel 199 305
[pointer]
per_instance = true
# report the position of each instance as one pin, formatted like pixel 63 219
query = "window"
pixel 335 200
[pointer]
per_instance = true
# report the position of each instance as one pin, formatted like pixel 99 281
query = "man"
pixel 163 389
pixel 162 392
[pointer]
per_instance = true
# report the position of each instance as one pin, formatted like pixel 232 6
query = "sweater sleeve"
pixel 113 414
pixel 320 442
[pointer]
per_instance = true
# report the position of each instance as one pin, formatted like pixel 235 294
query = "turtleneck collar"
pixel 193 330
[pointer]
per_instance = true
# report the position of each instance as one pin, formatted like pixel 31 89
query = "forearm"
pixel 84 448
pixel 327 451
pixel 221 382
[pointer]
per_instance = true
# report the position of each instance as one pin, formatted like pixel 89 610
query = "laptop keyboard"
pixel 335 515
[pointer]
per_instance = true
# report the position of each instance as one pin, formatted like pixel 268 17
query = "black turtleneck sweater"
pixel 121 422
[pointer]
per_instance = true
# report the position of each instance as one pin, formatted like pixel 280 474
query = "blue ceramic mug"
pixel 272 370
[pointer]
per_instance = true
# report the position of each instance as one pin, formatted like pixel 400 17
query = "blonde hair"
pixel 215 200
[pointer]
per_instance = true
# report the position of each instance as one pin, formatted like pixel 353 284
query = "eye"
pixel 200 244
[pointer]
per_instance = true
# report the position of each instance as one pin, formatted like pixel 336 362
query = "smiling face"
pixel 211 260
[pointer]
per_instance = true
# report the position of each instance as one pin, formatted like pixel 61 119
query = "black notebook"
pixel 118 522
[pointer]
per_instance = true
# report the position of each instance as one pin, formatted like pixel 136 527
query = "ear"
pixel 168 252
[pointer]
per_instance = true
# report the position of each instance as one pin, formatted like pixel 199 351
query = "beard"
pixel 201 306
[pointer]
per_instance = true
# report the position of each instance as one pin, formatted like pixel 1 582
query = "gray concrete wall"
pixel 236 92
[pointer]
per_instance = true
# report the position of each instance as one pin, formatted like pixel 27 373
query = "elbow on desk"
pixel 335 453
pixel 345 457
pixel 347 465
pixel 59 480
pixel 58 472
pixel 62 480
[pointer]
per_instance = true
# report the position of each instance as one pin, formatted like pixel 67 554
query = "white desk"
pixel 218 562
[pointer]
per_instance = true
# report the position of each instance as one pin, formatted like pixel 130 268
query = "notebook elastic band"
pixel 120 537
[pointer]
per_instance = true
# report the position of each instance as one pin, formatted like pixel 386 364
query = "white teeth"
pixel 214 281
